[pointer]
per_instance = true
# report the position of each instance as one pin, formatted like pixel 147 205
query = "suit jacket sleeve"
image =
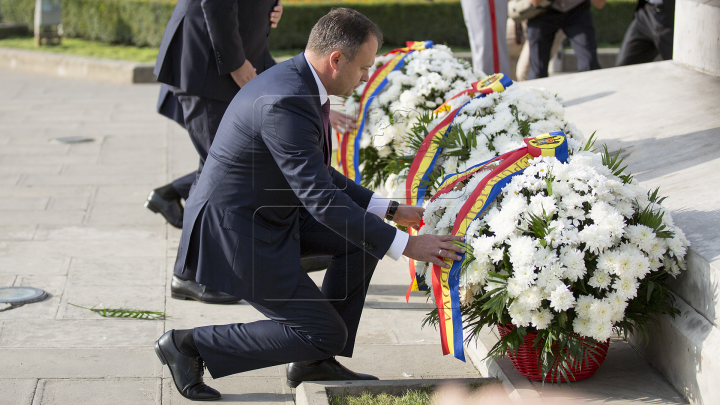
pixel 221 17
pixel 359 194
pixel 292 137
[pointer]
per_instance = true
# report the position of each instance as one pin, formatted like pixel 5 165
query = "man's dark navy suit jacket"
pixel 205 40
pixel 266 166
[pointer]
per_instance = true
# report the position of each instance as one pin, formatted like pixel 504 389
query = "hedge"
pixel 142 22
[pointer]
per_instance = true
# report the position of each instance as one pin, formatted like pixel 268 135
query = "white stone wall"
pixel 696 43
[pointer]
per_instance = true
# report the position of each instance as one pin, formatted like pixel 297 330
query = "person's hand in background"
pixel 244 74
pixel 341 122
pixel 276 14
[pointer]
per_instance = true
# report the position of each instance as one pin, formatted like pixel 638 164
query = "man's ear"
pixel 335 57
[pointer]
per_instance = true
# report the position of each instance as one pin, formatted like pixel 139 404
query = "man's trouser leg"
pixel 202 119
pixel 183 184
pixel 540 35
pixel 312 325
pixel 578 26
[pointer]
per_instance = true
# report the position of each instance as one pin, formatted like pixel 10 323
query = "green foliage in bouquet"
pixel 621 280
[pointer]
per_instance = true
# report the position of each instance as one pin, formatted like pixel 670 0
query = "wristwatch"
pixel 391 210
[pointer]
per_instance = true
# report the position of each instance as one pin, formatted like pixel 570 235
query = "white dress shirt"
pixel 378 204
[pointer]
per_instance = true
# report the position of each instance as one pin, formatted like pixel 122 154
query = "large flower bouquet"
pixel 572 251
pixel 427 78
pixel 485 127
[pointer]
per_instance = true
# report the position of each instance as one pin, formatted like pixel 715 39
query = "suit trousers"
pixel 202 117
pixel 647 36
pixel 316 323
pixel 577 24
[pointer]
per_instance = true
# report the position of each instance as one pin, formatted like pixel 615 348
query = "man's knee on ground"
pixel 331 339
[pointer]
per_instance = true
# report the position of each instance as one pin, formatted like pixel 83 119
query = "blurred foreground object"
pixel 453 394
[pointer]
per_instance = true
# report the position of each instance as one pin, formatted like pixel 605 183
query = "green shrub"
pixel 142 22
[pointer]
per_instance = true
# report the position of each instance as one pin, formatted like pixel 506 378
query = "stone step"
pixel 624 378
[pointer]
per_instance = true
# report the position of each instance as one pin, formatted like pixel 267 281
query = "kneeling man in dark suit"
pixel 267 196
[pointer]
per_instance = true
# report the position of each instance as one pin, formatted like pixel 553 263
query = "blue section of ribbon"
pixel 561 152
pixel 378 89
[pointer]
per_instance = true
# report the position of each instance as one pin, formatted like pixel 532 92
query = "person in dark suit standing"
pixel 650 33
pixel 210 50
pixel 267 196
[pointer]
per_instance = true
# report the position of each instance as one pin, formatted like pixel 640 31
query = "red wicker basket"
pixel 525 360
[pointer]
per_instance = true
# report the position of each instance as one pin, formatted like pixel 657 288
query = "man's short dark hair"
pixel 343 29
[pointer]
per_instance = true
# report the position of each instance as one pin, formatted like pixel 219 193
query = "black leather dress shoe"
pixel 190 290
pixel 172 210
pixel 324 370
pixel 187 372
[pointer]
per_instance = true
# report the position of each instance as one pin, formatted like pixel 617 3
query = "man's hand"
pixel 537 3
pixel 427 248
pixel 409 216
pixel 244 74
pixel 276 14
pixel 341 122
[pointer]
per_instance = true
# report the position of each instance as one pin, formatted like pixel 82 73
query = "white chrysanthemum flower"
pixel 574 262
pixel 581 326
pixel 626 288
pixel 530 298
pixel 477 271
pixel 522 250
pixel 515 287
pixel 600 330
pixel 583 305
pixel 596 238
pixel 541 318
pixel 519 315
pixel 562 299
pixel 600 280
pixel 601 311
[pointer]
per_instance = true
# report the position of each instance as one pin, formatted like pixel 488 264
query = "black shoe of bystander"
pixel 171 209
pixel 190 290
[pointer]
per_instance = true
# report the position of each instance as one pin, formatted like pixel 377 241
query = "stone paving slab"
pixel 130 391
pixel 17 391
pixel 79 363
pixel 255 390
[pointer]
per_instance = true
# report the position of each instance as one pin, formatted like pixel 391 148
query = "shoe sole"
pixel 293 384
pixel 179 296
pixel 152 207
pixel 161 356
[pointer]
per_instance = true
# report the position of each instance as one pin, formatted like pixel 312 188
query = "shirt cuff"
pixel 398 245
pixel 378 205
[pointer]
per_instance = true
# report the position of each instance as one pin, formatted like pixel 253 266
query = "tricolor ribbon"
pixel 446 282
pixel 349 149
pixel 429 152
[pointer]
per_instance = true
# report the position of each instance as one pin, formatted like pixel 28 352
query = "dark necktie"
pixel 326 120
